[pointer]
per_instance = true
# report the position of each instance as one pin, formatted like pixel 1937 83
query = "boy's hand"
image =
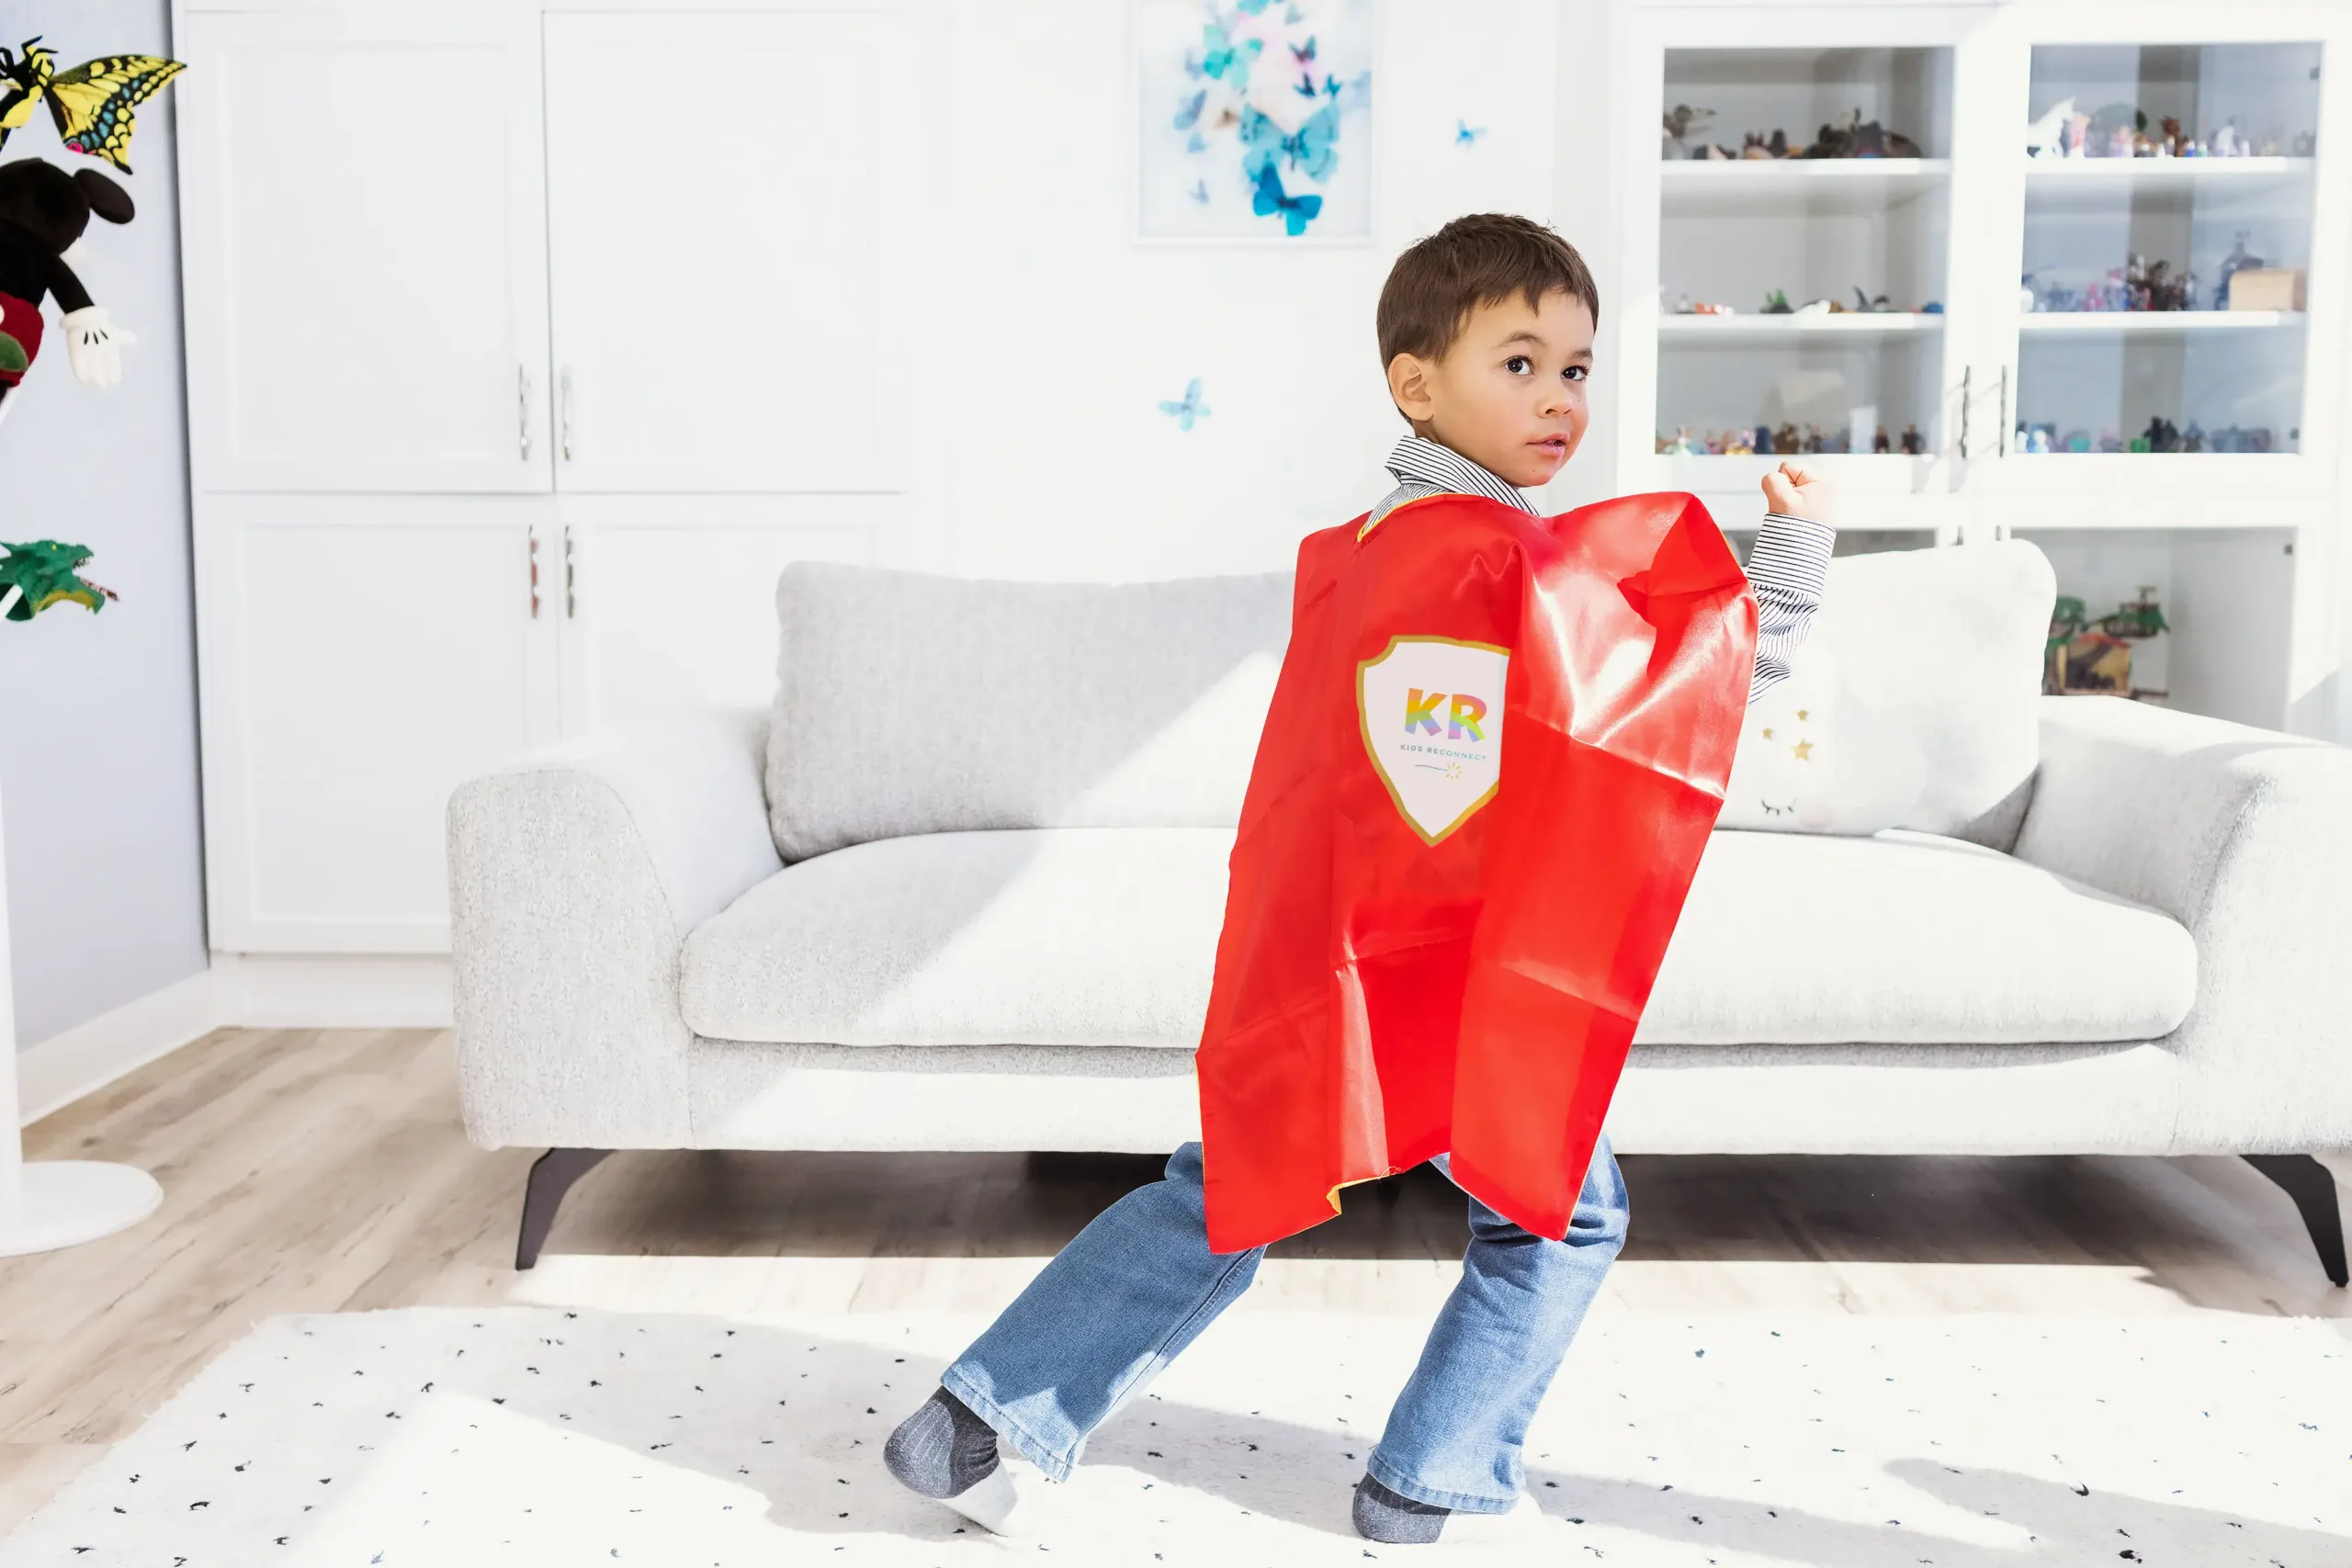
pixel 1794 490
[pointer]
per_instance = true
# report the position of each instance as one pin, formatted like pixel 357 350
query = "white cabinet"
pixel 657 270
pixel 361 656
pixel 734 271
pixel 364 248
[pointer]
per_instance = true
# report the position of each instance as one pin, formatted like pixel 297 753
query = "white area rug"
pixel 439 1437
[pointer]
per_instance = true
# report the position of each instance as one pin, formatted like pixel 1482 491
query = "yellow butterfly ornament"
pixel 92 104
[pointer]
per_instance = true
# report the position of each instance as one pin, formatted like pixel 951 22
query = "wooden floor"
pixel 310 1171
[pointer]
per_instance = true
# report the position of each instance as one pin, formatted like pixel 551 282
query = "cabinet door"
pixel 363 247
pixel 1804 301
pixel 669 602
pixel 363 655
pixel 732 266
pixel 2143 391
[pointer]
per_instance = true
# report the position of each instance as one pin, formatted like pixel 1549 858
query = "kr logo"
pixel 1431 713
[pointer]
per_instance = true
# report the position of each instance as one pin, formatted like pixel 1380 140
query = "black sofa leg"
pixel 2312 1186
pixel 552 1175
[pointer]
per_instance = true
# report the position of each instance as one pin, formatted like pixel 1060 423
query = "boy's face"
pixel 1510 393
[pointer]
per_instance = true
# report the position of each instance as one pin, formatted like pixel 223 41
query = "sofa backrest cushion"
pixel 1948 643
pixel 907 703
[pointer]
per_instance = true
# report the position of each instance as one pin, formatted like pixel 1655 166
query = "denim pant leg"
pixel 1454 1435
pixel 1116 1305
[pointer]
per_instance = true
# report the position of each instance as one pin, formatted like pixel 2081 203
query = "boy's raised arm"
pixel 1787 567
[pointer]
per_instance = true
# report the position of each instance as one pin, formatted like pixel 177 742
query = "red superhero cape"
pixel 1496 750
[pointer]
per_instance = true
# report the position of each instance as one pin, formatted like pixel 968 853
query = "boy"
pixel 1487 328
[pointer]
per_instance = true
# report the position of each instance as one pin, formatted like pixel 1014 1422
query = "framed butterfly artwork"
pixel 1254 120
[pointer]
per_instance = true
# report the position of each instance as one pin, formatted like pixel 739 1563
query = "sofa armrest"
pixel 2244 836
pixel 575 874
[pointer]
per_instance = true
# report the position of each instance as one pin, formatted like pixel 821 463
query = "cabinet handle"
pixel 535 574
pixel 563 394
pixel 570 602
pixel 1967 377
pixel 522 410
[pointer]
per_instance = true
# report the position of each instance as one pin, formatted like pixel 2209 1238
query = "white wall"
pixel 97 713
pixel 1062 331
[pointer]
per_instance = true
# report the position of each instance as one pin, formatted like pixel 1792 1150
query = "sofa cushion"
pixel 913 704
pixel 1108 936
pixel 1088 936
pixel 1947 645
pixel 1909 939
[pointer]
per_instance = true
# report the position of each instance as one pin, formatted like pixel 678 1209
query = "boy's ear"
pixel 1408 388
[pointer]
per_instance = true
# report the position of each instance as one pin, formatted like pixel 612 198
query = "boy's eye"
pixel 1576 372
pixel 1519 364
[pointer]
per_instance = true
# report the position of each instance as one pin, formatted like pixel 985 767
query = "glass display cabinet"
pixel 2041 268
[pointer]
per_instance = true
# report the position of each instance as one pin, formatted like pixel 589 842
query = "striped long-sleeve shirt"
pixel 1787 566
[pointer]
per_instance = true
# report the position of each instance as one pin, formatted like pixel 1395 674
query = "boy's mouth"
pixel 1555 446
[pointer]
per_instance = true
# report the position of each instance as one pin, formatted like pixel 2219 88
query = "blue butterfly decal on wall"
pixel 1303 54
pixel 1190 408
pixel 1188 112
pixel 1226 60
pixel 1200 192
pixel 1312 149
pixel 1297 211
pixel 1254 8
pixel 1466 134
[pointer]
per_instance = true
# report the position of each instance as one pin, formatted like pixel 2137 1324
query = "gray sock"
pixel 942 1449
pixel 1384 1515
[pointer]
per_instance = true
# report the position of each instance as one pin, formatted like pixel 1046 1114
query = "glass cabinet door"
pixel 1799 224
pixel 2176 252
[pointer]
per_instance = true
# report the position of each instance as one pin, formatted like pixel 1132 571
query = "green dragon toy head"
pixel 35 576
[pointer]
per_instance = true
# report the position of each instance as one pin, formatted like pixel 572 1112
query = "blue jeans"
pixel 1139 1284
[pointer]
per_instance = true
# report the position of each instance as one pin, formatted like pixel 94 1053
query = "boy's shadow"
pixel 831 1479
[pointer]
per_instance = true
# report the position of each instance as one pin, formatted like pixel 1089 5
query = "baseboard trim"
pixel 249 990
pixel 333 990
pixel 88 1056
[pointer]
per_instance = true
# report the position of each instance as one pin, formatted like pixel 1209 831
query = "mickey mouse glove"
pixel 94 346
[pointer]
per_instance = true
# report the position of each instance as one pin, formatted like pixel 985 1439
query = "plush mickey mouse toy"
pixel 43 211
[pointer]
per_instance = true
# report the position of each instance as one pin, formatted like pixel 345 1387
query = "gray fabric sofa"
pixel 959 888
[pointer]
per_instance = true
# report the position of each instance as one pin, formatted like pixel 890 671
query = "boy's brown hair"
pixel 1482 259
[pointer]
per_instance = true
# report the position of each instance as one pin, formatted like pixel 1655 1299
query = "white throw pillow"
pixel 1822 753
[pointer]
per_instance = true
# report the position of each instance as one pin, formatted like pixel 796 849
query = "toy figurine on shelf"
pixel 2192 438
pixel 1737 445
pixel 1875 304
pixel 1680 122
pixel 2237 260
pixel 1709 308
pixel 1914 444
pixel 1818 307
pixel 2161 435
pixel 1784 439
pixel 1880 445
pixel 2136 617
pixel 1776 303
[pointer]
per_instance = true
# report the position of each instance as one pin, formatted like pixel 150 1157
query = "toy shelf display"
pixel 2168 227
pixel 1801 242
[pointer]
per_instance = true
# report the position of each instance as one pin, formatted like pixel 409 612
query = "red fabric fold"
pixel 1407 967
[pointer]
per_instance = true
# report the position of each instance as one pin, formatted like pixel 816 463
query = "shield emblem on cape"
pixel 1430 709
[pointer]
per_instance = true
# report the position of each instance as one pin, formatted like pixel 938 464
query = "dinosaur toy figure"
pixel 35 576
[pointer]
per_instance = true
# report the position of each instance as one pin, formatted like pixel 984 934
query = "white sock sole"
pixel 998 1503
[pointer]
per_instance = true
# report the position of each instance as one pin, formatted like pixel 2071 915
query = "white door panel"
pixel 365 654
pixel 670 615
pixel 363 243
pixel 731 272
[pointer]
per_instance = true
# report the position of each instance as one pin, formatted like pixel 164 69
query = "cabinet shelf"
pixel 2153 323
pixel 1681 331
pixel 2058 174
pixel 1833 185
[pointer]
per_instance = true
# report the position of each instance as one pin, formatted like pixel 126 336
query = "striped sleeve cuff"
pixel 1792 554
